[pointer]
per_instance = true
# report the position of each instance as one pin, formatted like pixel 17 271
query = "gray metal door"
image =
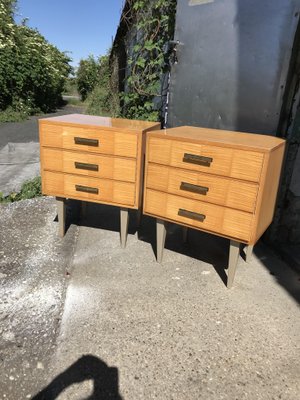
pixel 233 59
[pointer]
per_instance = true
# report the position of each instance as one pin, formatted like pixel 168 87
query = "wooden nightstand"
pixel 95 159
pixel 221 182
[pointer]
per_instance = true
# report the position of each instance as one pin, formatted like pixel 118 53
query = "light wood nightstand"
pixel 95 159
pixel 221 182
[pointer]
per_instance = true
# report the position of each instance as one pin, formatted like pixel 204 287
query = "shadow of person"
pixel 105 380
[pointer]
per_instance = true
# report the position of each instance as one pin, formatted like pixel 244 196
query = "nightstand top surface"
pixel 105 122
pixel 249 141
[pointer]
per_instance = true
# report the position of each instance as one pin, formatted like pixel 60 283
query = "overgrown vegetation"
pixel 154 24
pixel 93 84
pixel 151 27
pixel 29 190
pixel 32 71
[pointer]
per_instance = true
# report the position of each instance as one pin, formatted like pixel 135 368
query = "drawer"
pixel 225 161
pixel 109 167
pixel 204 187
pixel 88 188
pixel 219 220
pixel 89 139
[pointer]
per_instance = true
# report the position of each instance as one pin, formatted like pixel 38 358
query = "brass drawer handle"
pixel 86 189
pixel 193 188
pixel 191 214
pixel 86 141
pixel 89 167
pixel 195 159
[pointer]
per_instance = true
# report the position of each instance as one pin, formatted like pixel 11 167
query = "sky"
pixel 82 27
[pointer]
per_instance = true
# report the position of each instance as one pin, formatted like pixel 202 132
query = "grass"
pixel 29 190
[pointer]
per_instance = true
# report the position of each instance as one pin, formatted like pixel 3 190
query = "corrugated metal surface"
pixel 233 61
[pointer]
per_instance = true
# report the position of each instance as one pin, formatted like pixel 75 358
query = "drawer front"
pixel 89 139
pixel 100 166
pixel 217 160
pixel 216 219
pixel 227 192
pixel 88 188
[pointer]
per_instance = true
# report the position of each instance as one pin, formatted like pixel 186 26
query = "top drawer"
pixel 234 163
pixel 89 139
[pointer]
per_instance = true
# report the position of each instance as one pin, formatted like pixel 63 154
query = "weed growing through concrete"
pixel 29 190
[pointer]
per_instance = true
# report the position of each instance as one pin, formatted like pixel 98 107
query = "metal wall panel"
pixel 233 59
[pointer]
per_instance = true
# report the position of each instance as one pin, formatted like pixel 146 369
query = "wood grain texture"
pixel 105 123
pixel 228 192
pixel 234 163
pixel 268 192
pixel 110 142
pixel 219 220
pixel 251 178
pixel 223 138
pixel 118 155
pixel 109 167
pixel 110 191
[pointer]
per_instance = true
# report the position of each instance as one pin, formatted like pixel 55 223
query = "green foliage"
pixel 32 71
pixel 87 76
pixel 11 115
pixel 154 21
pixel 101 101
pixel 71 86
pixel 29 190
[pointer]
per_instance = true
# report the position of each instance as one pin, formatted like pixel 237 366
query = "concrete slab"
pixel 19 150
pixel 19 162
pixel 33 266
pixel 134 329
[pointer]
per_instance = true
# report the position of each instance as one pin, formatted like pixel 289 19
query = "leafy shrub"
pixel 87 76
pixel 32 71
pixel 101 100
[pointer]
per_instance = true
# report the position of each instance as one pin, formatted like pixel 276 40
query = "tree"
pixel 87 76
pixel 32 71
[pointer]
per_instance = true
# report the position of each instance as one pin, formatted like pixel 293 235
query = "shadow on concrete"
pixel 285 276
pixel 105 380
pixel 200 245
pixel 98 216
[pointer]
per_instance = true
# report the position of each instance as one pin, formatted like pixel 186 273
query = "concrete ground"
pixel 19 151
pixel 129 328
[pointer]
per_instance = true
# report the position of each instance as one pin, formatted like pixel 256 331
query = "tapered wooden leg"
pixel 185 232
pixel 61 212
pixel 160 238
pixel 249 252
pixel 234 252
pixel 124 218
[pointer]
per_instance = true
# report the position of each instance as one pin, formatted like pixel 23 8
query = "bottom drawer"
pixel 204 216
pixel 87 188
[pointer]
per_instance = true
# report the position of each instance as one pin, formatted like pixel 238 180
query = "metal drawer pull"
pixel 191 214
pixel 89 167
pixel 86 189
pixel 86 142
pixel 194 159
pixel 193 188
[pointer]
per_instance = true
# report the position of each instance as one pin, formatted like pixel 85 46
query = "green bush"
pixel 11 115
pixel 87 76
pixel 32 71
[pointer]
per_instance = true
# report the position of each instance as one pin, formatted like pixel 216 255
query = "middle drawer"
pixel 122 169
pixel 227 192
